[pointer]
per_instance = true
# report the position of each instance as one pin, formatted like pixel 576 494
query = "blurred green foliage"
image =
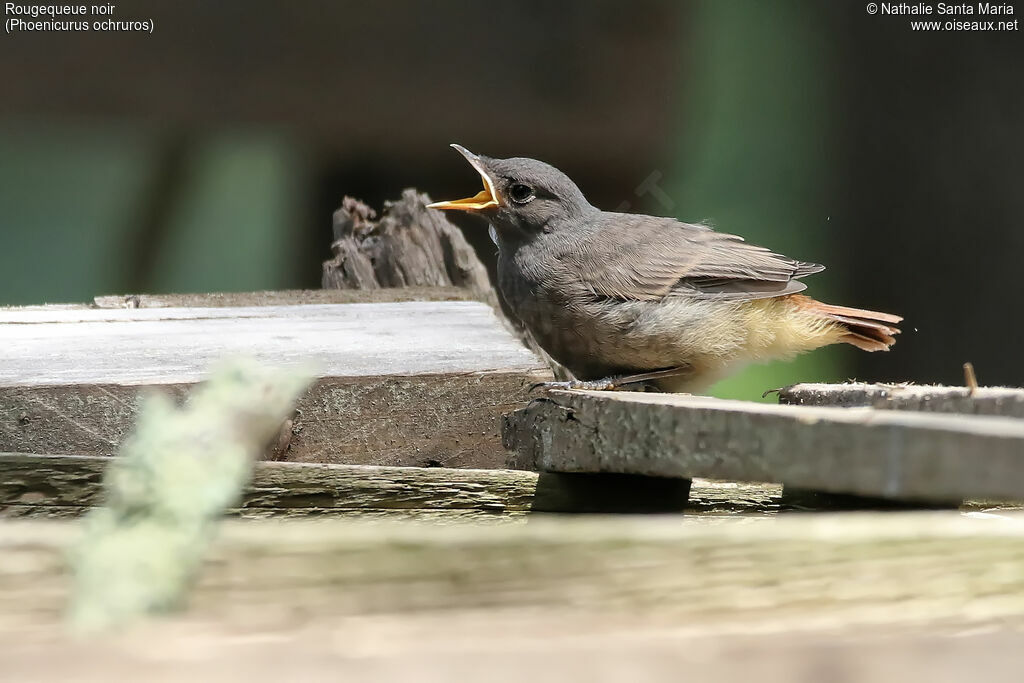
pixel 72 196
pixel 235 228
pixel 65 191
pixel 752 159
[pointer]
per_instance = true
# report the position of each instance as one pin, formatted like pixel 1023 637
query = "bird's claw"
pixel 587 385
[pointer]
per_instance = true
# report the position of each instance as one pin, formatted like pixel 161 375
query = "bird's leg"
pixel 643 381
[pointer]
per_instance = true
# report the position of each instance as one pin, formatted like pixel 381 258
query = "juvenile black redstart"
pixel 624 299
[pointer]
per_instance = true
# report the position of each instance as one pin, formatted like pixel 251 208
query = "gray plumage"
pixel 610 294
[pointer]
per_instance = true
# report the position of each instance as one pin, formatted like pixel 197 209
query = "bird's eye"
pixel 521 194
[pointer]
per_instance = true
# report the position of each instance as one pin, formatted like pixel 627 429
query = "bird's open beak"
pixel 485 199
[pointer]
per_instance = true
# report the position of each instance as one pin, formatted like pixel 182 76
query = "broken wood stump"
pixel 859 451
pixel 409 246
pixel 408 383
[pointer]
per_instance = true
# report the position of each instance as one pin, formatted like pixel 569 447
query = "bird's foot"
pixel 606 384
pixel 637 382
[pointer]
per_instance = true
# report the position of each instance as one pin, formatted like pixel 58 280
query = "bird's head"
pixel 521 196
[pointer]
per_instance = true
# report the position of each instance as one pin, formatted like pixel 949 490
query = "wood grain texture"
pixel 896 568
pixel 862 451
pixel 433 517
pixel 174 345
pixel 442 419
pixel 500 647
pixel 63 486
pixel 286 297
pixel 1001 401
pixel 415 383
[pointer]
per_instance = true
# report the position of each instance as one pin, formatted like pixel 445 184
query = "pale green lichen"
pixel 171 483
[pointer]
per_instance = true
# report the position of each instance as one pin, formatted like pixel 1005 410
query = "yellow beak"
pixel 485 199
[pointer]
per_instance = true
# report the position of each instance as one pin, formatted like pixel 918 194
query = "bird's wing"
pixel 642 258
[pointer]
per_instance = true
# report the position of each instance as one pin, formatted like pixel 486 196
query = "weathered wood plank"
pixel 545 647
pixel 1000 401
pixel 287 297
pixel 455 516
pixel 889 454
pixel 283 297
pixel 64 485
pixel 173 345
pixel 893 568
pixel 417 383
pixel 75 481
pixel 443 419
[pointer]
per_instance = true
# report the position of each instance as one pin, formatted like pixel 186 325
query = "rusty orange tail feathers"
pixel 867 330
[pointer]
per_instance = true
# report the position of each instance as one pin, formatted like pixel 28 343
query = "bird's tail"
pixel 867 330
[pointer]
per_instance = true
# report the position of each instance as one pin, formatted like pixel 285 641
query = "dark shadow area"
pixel 609 493
pixel 807 500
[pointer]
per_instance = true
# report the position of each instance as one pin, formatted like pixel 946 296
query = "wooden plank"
pixel 75 481
pixel 416 383
pixel 434 517
pixel 861 451
pixel 174 345
pixel 881 568
pixel 440 419
pixel 283 297
pixel 541 648
pixel 287 297
pixel 64 485
pixel 1002 401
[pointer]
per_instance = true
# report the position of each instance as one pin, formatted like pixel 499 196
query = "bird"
pixel 627 301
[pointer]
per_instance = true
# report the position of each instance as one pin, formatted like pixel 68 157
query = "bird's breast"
pixel 588 336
